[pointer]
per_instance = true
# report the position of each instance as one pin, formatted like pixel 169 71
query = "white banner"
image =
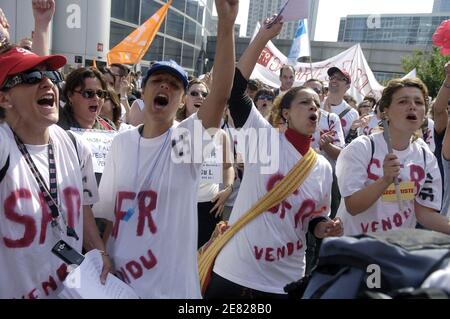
pixel 352 60
pixel 100 143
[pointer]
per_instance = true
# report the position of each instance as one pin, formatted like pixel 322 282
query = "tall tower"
pixel 440 6
pixel 313 11
pixel 262 9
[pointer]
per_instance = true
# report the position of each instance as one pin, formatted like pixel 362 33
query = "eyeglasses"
pixel 265 97
pixel 338 78
pixel 197 93
pixel 32 77
pixel 90 94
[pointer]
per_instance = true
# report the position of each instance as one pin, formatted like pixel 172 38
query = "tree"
pixel 429 67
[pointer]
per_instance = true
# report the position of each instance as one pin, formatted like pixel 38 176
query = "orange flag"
pixel 133 47
pixel 94 63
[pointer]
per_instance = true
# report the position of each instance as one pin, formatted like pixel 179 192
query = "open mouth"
pixel 93 108
pixel 47 100
pixel 313 117
pixel 197 105
pixel 411 117
pixel 161 100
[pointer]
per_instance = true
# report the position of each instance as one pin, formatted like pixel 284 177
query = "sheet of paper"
pixel 295 10
pixel 84 282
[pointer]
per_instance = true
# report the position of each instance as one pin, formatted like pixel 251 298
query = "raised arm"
pixel 440 105
pixel 240 103
pixel 212 109
pixel 43 11
pixel 446 143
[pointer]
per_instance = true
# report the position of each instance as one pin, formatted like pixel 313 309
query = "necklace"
pixel 130 212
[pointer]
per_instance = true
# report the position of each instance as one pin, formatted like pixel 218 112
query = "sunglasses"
pixel 265 97
pixel 32 77
pixel 90 94
pixel 197 93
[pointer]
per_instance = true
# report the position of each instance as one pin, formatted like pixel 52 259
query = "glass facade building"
pixel 182 36
pixel 441 6
pixel 415 29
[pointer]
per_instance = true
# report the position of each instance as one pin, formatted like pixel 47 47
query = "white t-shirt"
pixel 428 135
pixel 154 249
pixel 372 124
pixel 328 122
pixel 29 269
pixel 269 252
pixel 347 119
pixel 355 170
pixel 207 190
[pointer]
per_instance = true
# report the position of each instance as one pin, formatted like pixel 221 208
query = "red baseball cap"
pixel 18 60
pixel 335 69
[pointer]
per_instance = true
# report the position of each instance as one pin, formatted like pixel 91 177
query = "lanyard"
pixel 50 193
pixel 147 179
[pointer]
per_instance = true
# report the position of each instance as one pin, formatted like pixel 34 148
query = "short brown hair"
pixel 397 84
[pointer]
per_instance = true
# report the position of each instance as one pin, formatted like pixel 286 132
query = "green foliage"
pixel 429 67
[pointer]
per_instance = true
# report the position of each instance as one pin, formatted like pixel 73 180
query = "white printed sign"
pixel 212 170
pixel 211 173
pixel 100 143
pixel 352 60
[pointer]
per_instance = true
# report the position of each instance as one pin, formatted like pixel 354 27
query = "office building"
pixel 440 6
pixel 83 30
pixel 390 28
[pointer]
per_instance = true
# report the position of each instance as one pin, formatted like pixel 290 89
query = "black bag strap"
pixel 344 112
pixel 74 141
pixel 4 169
pixel 372 146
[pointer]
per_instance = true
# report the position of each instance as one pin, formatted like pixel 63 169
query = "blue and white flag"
pixel 300 44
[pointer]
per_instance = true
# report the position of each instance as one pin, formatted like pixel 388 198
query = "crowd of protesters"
pixel 153 206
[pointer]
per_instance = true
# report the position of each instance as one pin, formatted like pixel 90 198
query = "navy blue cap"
pixel 169 67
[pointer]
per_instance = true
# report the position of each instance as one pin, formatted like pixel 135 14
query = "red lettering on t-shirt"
pixel 269 256
pixel 27 221
pixel 364 227
pixel 280 252
pixel 273 180
pixel 120 197
pixel 73 204
pixel 306 209
pixel 416 174
pixel 258 252
pixel 370 174
pixel 150 262
pixel 146 210
pixel 62 272
pixel 134 268
pixel 51 283
pixel 46 218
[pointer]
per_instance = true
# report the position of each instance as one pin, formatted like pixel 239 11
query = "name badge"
pixel 407 192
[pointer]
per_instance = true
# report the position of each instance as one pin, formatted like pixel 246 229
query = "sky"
pixel 330 12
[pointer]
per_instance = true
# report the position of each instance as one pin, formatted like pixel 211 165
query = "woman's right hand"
pixel 391 168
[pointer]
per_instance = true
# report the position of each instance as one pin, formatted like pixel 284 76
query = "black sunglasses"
pixel 196 93
pixel 265 97
pixel 32 77
pixel 89 94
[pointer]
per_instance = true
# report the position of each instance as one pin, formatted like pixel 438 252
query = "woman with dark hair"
pixel 367 169
pixel 264 102
pixel 269 252
pixel 85 93
pixel 111 107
